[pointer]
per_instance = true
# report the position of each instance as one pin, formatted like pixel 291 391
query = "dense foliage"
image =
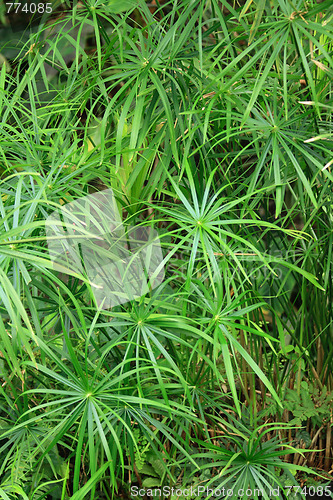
pixel 212 123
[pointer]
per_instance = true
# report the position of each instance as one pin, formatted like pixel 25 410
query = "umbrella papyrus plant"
pixel 121 264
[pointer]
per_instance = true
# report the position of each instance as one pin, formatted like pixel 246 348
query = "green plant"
pixel 212 123
pixel 245 461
